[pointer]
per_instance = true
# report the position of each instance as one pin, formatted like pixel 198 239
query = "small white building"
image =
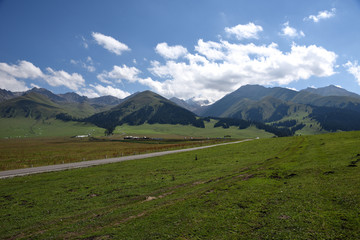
pixel 82 136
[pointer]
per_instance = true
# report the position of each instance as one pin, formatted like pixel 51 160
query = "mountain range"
pixel 255 102
pixel 326 106
pixel 69 97
pixel 145 107
pixel 324 109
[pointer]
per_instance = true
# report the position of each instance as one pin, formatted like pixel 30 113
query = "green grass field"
pixel 305 187
pixel 33 152
pixel 25 128
pixel 176 131
pixel 31 143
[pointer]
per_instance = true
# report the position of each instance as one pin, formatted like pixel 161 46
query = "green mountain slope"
pixel 38 106
pixel 258 103
pixel 332 91
pixel 268 109
pixel 249 92
pixel 144 107
pixel 231 103
pixel 5 95
pixel 343 102
pixel 32 105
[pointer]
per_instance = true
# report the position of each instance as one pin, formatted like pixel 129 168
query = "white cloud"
pixel 211 50
pixel 110 43
pixel 10 83
pixel 290 31
pixel 90 68
pixel 98 90
pixel 84 42
pixel 24 69
pixel 321 15
pixel 294 89
pixel 62 78
pixel 33 85
pixel 119 73
pixel 88 65
pixel 221 67
pixel 89 60
pixel 88 92
pixel 247 31
pixel 170 52
pixel 108 90
pixel 354 69
pixel 11 74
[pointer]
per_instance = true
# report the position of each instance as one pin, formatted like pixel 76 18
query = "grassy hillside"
pixel 145 107
pixel 37 106
pixel 32 105
pixel 231 102
pixel 282 188
pixel 261 104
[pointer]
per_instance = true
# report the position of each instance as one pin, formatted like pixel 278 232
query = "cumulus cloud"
pixel 246 31
pixel 62 78
pixel 97 90
pixel 119 73
pixel 8 82
pixel 170 52
pixel 109 90
pixel 218 68
pixel 211 50
pixel 354 69
pixel 88 92
pixel 24 69
pixel 110 43
pixel 321 15
pixel 11 76
pixel 291 32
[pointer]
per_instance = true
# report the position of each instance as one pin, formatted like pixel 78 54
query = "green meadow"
pixel 304 187
pixel 25 128
pixel 176 131
pixel 35 152
pixel 30 143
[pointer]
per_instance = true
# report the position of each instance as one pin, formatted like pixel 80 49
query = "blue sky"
pixel 202 49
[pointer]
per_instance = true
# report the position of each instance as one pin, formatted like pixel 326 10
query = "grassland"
pixel 38 143
pixel 305 187
pixel 176 131
pixel 26 127
pixel 34 152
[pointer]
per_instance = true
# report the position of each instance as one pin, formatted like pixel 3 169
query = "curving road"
pixel 66 166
